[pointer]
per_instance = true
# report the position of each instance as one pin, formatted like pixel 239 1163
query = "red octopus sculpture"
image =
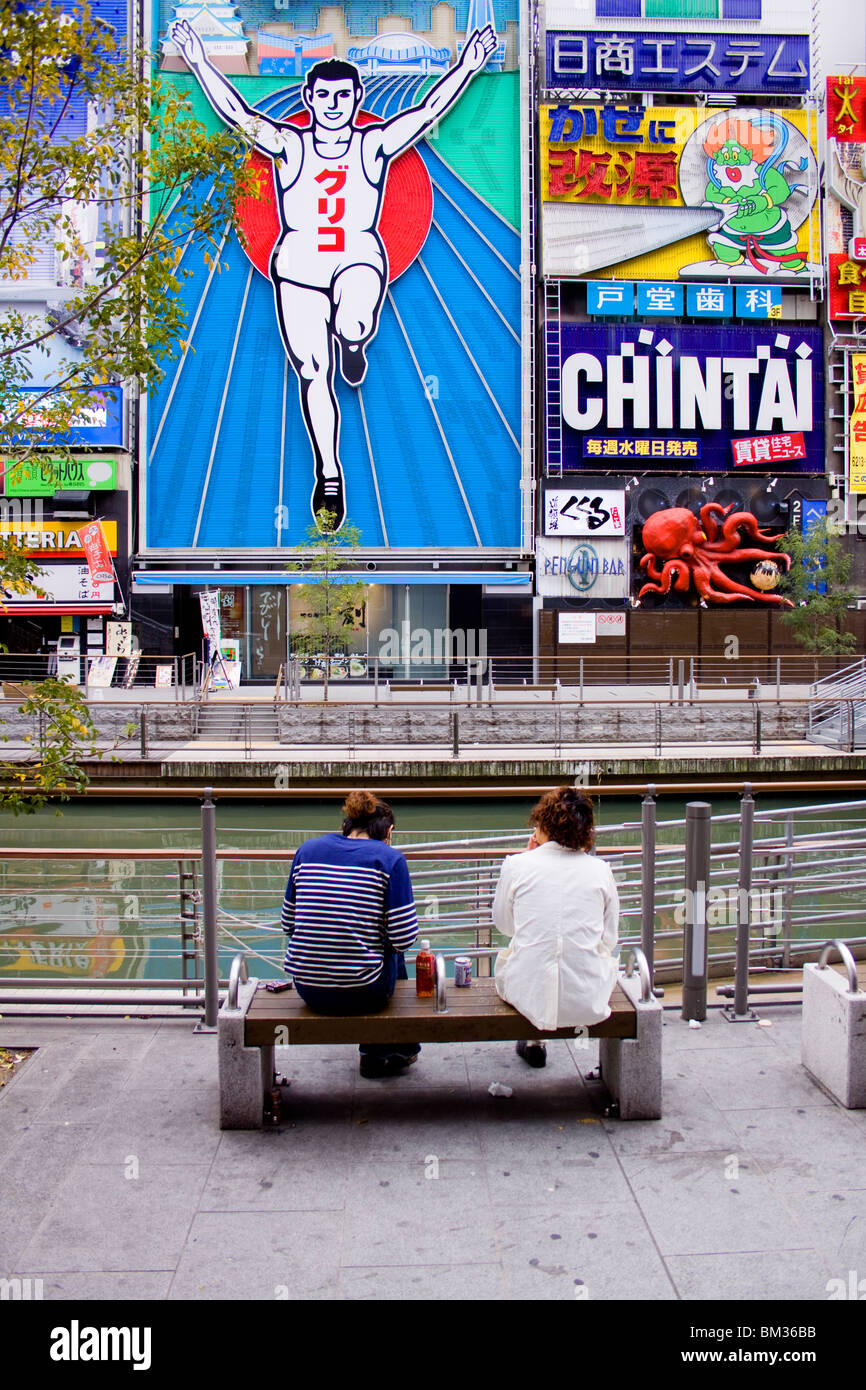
pixel 694 550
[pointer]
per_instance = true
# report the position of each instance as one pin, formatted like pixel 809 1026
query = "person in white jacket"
pixel 559 905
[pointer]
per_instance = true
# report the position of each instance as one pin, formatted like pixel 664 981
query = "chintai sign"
pixel 629 393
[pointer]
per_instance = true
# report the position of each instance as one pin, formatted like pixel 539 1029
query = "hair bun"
pixel 359 804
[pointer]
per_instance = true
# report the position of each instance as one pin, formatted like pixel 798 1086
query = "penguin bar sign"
pixel 629 393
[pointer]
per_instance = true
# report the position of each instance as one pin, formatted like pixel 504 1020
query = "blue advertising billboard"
pixel 359 351
pixel 678 398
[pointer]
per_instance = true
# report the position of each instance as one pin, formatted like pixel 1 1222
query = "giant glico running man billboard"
pixel 358 355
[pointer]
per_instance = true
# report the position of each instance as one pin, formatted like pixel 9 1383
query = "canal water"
pixel 119 918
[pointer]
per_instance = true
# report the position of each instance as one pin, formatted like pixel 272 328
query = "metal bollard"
pixel 698 826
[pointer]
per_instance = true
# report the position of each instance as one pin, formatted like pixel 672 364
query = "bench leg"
pixel 631 1068
pixel 242 1070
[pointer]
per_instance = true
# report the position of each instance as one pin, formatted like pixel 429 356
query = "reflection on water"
pixel 120 918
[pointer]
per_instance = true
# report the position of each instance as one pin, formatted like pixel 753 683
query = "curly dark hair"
pixel 364 810
pixel 566 816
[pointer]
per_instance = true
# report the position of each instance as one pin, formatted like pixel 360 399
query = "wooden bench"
pixel 253 1021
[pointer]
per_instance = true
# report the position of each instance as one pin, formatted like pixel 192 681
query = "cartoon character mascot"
pixel 743 155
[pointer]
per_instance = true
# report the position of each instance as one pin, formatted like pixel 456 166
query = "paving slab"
pixel 424 1186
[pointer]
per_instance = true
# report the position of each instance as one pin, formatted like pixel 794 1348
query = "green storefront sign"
pixel 43 477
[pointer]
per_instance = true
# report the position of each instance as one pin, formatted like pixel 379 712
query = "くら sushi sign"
pixel 707 386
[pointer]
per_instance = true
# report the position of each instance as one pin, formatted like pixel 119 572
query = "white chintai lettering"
pixel 804 395
pixel 665 393
pixel 703 392
pixel 741 368
pixel 777 398
pixel 577 365
pixel 619 390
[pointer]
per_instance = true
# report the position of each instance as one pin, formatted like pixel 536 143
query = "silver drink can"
pixel 463 972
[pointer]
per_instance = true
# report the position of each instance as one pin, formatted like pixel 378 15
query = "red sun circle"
pixel 404 217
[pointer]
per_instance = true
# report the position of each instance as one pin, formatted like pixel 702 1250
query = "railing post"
pixel 681 680
pixel 740 1012
pixel 175 680
pixel 757 736
pixel 209 905
pixel 778 678
pixel 648 874
pixel 788 922
pixel 375 680
pixel 698 826
pixel 455 733
pixel 144 748
pixel 581 680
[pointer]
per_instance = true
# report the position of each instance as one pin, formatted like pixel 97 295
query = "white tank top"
pixel 329 218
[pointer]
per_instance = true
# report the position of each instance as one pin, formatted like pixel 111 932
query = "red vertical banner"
pixel 96 552
pixel 846 108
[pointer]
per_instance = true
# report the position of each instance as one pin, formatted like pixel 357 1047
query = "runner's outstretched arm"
pixel 267 136
pixel 403 130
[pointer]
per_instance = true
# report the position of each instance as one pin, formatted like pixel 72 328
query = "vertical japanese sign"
pixel 96 553
pixel 857 441
pixel 846 109
pixel 210 619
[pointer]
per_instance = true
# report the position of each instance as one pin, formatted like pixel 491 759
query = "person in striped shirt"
pixel 349 914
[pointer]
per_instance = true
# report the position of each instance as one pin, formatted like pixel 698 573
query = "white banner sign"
pixel 64 584
pixel 576 627
pixel 584 511
pixel 581 569
pixel 210 617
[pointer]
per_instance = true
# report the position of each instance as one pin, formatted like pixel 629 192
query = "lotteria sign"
pixel 628 388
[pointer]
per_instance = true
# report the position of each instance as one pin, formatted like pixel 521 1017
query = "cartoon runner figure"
pixel 329 267
pixel 742 155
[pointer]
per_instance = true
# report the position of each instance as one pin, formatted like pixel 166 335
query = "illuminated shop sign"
pixel 688 192
pixel 663 59
pixel 584 512
pixel 581 568
pixel 698 387
pixel 42 477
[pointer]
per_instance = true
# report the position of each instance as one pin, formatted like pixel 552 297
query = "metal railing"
pixel 134 677
pixel 836 712
pixel 761 892
pixel 747 723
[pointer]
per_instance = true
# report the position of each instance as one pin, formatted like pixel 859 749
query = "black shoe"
pixel 329 495
pixel 353 363
pixel 535 1053
pixel 374 1067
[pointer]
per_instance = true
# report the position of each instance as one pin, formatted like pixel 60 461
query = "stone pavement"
pixel 118 1183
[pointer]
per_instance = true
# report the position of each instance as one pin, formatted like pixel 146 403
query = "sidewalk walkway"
pixel 753 1185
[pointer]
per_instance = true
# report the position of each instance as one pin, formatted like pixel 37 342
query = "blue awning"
pixel 517 579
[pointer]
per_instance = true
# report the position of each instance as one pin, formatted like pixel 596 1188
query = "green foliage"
pixel 818 586
pixel 62 731
pixel 330 602
pixel 132 182
pixel 137 172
